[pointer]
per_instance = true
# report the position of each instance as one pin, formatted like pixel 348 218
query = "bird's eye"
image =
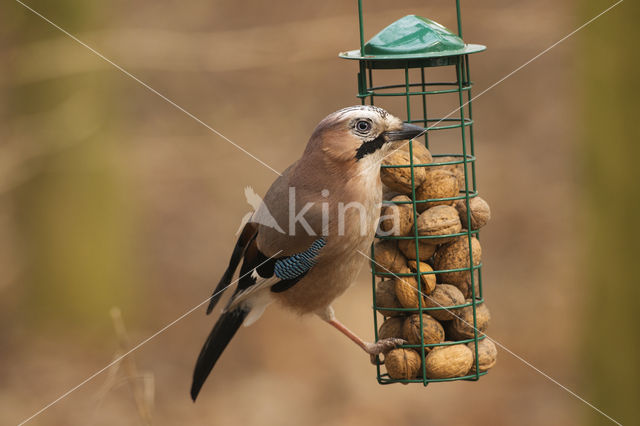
pixel 363 126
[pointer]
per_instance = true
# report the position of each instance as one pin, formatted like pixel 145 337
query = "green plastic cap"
pixel 413 37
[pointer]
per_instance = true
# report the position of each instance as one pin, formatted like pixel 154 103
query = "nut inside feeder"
pixel 427 271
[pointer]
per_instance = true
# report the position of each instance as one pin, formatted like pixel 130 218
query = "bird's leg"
pixel 373 349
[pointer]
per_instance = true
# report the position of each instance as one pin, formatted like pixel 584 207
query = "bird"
pixel 254 201
pixel 327 207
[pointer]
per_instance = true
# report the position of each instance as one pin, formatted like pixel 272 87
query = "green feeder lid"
pixel 413 37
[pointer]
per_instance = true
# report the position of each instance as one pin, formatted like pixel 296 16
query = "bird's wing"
pixel 263 238
pixel 260 272
pixel 291 215
pixel 247 236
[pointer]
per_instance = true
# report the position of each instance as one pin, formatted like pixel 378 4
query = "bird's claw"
pixel 381 347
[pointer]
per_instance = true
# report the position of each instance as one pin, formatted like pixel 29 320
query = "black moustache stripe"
pixel 370 147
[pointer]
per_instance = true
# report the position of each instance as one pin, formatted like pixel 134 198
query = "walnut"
pixel 402 363
pixel 397 219
pixel 386 298
pixel 432 331
pixel 387 258
pixel 421 154
pixel 443 296
pixel 487 354
pixel 391 327
pixel 428 280
pixel 439 220
pixel 456 169
pixel 445 362
pixel 455 255
pixel 388 193
pixel 399 178
pixel 437 183
pixel 465 287
pixel 407 290
pixel 480 212
pixel 462 324
pixel 408 248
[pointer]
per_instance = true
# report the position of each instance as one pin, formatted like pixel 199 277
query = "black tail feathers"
pixel 218 339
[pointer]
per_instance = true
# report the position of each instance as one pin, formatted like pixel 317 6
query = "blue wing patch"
pixel 299 264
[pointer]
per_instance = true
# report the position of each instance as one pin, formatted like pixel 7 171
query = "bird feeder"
pixel 431 63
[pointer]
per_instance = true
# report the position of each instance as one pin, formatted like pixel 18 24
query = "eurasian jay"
pixel 302 247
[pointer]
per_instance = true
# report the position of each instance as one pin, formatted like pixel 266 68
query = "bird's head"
pixel 362 133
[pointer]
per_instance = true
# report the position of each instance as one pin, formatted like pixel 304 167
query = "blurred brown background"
pixel 110 196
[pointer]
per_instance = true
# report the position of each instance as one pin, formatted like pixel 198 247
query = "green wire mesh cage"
pixel 418 48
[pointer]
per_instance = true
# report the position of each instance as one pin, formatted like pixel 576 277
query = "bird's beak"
pixel 408 131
